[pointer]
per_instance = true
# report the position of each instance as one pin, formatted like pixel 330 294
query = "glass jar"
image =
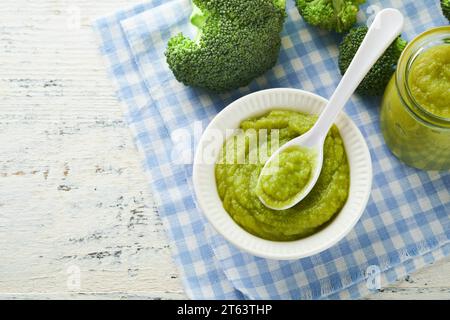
pixel 416 136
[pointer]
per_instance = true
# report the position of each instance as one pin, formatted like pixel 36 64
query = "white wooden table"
pixel 76 216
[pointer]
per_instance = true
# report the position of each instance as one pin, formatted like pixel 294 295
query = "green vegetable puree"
pixel 237 180
pixel 429 80
pixel 285 176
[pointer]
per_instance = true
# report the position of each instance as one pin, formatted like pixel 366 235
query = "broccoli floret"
pixel 445 5
pixel 237 41
pixel 337 15
pixel 378 77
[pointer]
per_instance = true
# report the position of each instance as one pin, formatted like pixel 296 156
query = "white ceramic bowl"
pixel 257 104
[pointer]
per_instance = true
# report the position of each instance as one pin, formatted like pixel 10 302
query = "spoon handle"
pixel 384 30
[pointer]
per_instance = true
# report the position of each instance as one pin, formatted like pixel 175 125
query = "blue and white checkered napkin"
pixel 406 224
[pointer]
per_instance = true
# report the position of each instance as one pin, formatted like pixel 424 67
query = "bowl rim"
pixel 260 243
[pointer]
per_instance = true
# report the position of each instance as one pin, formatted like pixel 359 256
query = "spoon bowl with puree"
pixel 293 170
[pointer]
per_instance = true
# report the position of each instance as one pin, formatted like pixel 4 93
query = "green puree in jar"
pixel 429 80
pixel 286 176
pixel 237 179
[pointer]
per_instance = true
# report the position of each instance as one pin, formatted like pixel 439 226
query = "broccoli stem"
pixel 198 20
pixel 400 44
pixel 337 5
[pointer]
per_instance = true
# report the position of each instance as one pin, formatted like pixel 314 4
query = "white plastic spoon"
pixel 386 27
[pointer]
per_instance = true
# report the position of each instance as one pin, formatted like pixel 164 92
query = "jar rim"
pixel 413 49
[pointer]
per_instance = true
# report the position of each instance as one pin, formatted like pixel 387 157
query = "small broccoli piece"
pixel 445 5
pixel 237 41
pixel 378 77
pixel 337 15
